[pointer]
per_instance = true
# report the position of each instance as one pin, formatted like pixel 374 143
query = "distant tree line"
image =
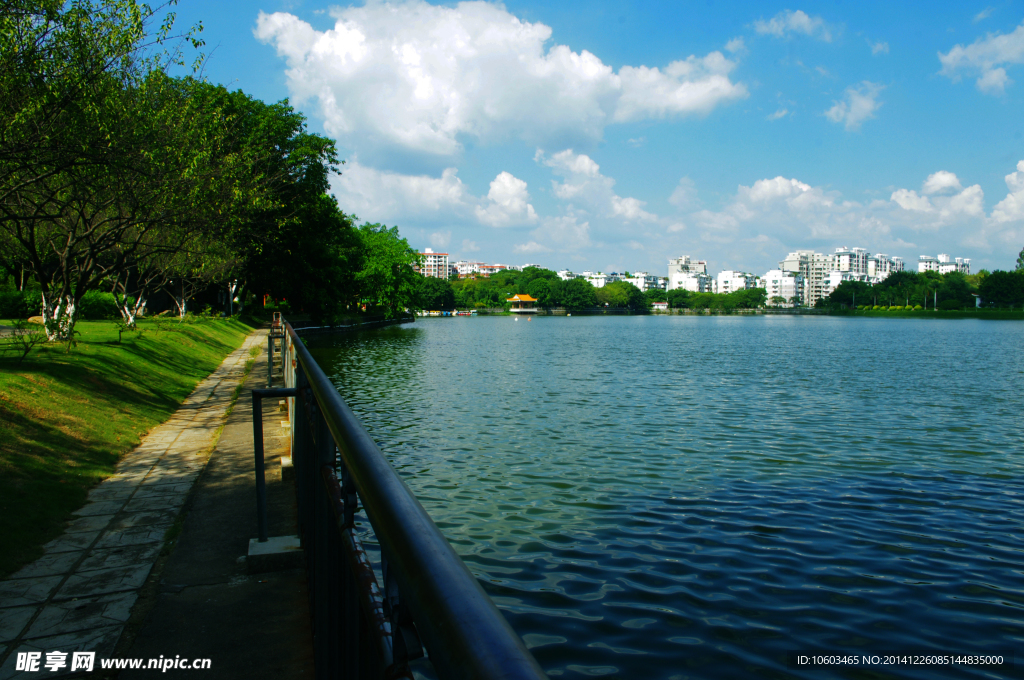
pixel 931 290
pixel 116 176
pixel 480 292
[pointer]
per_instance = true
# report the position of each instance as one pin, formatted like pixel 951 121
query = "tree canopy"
pixel 928 290
pixel 115 175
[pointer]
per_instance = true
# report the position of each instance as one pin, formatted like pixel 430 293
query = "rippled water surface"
pixel 670 497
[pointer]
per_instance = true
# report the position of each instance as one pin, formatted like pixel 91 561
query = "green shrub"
pixel 96 306
pixel 918 308
pixel 876 307
pixel 950 304
pixel 20 304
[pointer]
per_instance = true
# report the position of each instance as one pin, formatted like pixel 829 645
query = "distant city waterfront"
pixel 697 496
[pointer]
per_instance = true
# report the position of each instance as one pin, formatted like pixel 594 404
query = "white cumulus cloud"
pixel 415 77
pixel 769 189
pixel 1011 208
pixel 909 200
pixel 941 181
pixel 946 209
pixel 507 203
pixel 987 57
pixel 859 104
pixel 384 196
pixel 585 186
pixel 792 213
pixel 381 196
pixel 879 47
pixel 789 21
pixel 684 195
pixel 564 233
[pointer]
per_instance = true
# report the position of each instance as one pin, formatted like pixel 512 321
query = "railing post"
pixel 261 479
pixel 351 624
pixel 270 358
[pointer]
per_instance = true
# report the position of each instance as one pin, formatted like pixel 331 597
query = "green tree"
pixel 702 300
pixel 285 232
pixel 636 301
pixel 81 98
pixel 1003 288
pixel 540 288
pixel 848 292
pixel 678 298
pixel 954 287
pixel 310 259
pixel 777 300
pixel 386 278
pixel 578 294
pixel 614 295
pixel 436 294
pixel 896 288
pixel 750 298
pixel 656 295
pixel 146 198
pixel 531 274
pixel 1020 260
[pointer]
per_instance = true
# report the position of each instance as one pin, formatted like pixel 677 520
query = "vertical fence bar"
pixel 270 358
pixel 352 627
pixel 261 476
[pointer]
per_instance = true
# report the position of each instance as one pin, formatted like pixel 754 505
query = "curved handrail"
pixel 465 634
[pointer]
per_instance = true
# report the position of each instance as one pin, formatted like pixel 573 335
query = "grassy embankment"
pixel 67 418
pixel 1012 314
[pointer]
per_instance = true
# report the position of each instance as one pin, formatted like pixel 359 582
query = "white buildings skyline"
pixel 943 265
pixel 806 274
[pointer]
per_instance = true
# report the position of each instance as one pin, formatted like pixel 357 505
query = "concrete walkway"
pixel 79 595
pixel 207 603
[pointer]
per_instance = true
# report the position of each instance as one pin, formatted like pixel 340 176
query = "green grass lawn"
pixel 67 418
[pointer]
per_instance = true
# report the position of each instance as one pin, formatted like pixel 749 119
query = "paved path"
pixel 206 604
pixel 80 593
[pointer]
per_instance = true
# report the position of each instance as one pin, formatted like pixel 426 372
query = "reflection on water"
pixel 670 497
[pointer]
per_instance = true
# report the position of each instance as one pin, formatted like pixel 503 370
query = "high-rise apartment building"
pixel 434 264
pixel 880 266
pixel 786 285
pixel 644 281
pixel 689 275
pixel 851 260
pixel 943 265
pixel 731 281
pixel 814 268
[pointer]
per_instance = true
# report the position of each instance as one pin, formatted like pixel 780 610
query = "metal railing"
pixel 360 629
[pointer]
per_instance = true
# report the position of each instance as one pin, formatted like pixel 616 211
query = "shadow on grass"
pixel 66 419
pixel 47 474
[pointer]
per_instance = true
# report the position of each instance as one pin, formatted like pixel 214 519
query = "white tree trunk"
pixel 232 288
pixel 131 312
pixel 59 318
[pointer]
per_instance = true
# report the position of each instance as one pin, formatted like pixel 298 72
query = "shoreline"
pixel 989 314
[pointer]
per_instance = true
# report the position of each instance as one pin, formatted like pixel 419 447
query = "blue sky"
pixel 615 135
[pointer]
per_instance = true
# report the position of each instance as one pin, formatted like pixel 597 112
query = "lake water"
pixel 697 496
